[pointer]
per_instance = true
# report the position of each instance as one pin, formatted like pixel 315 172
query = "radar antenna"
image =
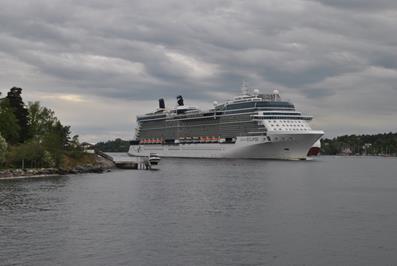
pixel 276 95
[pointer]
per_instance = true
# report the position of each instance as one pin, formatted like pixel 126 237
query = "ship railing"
pixel 202 139
pixel 290 117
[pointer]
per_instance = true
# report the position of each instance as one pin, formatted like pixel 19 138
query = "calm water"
pixel 330 211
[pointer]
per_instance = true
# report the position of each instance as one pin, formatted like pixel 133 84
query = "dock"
pixel 136 163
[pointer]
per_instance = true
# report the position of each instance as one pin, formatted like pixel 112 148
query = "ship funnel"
pixel 161 103
pixel 179 100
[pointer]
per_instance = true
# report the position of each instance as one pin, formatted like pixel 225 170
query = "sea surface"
pixel 329 211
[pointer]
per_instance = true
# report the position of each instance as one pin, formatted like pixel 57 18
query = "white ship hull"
pixel 286 146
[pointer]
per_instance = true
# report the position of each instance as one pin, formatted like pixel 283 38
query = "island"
pixel 34 142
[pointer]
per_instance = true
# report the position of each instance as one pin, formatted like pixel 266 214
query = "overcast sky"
pixel 98 64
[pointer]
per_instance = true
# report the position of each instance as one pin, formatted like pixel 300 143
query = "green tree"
pixel 20 112
pixel 28 154
pixel 9 126
pixel 41 120
pixel 3 150
pixel 385 144
pixel 38 138
pixel 48 160
pixel 117 145
pixel 46 129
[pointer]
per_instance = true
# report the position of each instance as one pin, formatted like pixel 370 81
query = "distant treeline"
pixel 31 136
pixel 117 145
pixel 378 144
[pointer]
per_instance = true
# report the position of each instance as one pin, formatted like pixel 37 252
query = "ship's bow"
pixel 294 146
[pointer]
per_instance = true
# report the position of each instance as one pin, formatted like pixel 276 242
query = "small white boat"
pixel 154 158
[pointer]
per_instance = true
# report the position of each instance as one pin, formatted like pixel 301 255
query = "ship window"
pixel 274 104
pixel 240 106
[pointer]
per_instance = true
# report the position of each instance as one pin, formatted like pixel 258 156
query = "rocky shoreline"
pixel 101 165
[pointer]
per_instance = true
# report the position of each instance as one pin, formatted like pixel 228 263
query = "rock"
pixel 97 170
pixel 6 173
pixel 104 163
pixel 18 172
pixel 101 165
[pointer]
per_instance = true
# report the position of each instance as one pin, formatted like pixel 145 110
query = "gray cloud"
pixel 367 5
pixel 327 56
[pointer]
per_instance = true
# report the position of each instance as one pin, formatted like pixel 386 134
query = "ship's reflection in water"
pixel 329 211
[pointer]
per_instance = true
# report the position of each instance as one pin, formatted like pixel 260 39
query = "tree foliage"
pixel 41 120
pixel 9 126
pixel 20 111
pixel 56 141
pixel 117 145
pixel 378 144
pixel 28 154
pixel 37 137
pixel 3 149
pixel 46 129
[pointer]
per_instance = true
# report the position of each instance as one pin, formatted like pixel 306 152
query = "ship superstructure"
pixel 252 125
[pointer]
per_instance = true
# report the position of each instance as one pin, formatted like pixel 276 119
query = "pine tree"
pixel 20 111
pixel 9 126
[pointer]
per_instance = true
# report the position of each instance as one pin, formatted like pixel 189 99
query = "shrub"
pixel 3 150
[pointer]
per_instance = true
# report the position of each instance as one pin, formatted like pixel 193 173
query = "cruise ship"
pixel 250 126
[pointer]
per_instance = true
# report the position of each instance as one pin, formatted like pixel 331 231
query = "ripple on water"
pixel 202 212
